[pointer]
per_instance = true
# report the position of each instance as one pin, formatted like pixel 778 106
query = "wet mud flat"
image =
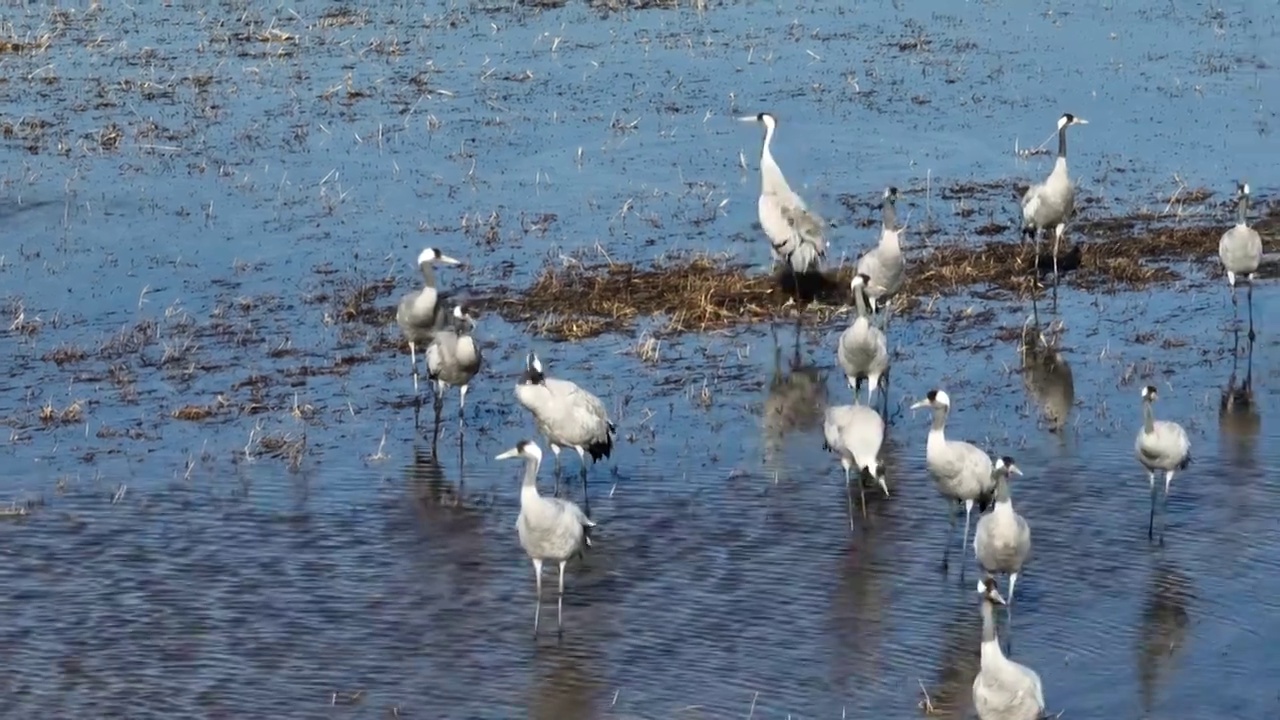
pixel 216 498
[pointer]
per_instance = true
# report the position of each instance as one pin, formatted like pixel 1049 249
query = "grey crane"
pixel 567 415
pixel 1002 539
pixel 884 265
pixel 419 315
pixel 1241 251
pixel 863 351
pixel 1051 203
pixel 1003 689
pixel 550 529
pixel 856 433
pixel 795 232
pixel 961 472
pixel 1160 445
pixel 453 359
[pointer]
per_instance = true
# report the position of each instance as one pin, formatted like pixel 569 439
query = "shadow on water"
pixel 1164 632
pixel 1047 377
pixel 795 401
pixel 1238 418
pixel 861 628
pixel 564 683
pixel 952 691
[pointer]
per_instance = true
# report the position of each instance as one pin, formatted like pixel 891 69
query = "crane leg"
pixel 1252 335
pixel 537 606
pixel 951 514
pixel 560 603
pixel 1151 516
pixel 964 539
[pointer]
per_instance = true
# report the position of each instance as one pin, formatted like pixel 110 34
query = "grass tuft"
pixel 705 293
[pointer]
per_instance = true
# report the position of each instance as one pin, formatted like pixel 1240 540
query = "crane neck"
pixel 939 420
pixel 768 141
pixel 1148 417
pixel 860 300
pixel 1062 142
pixel 1002 496
pixel 771 178
pixel 1242 209
pixel 428 275
pixel 530 480
pixel 989 628
pixel 889 215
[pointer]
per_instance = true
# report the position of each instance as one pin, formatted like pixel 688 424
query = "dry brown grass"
pixel 356 300
pixel 700 293
pixel 31 45
pixel 69 415
pixel 194 413
pixel 696 293
pixel 65 354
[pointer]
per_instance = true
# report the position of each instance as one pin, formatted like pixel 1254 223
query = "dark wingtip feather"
pixel 1186 462
pixel 601 449
pixel 985 502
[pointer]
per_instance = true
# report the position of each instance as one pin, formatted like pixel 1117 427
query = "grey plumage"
pixel 1050 204
pixel 1002 539
pixel 550 529
pixel 795 233
pixel 1003 689
pixel 884 265
pixel 1160 445
pixel 961 472
pixel 419 313
pixel 453 359
pixel 1240 250
pixel 863 351
pixel 856 434
pixel 567 415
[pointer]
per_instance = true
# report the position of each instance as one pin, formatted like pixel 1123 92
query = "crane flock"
pixel 555 530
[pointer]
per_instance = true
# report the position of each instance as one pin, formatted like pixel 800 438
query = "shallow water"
pixel 304 552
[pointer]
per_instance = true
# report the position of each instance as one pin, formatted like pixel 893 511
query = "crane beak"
pixel 508 454
pixel 1081 121
pixel 448 260
pixel 922 404
pixel 748 118
pixel 1015 470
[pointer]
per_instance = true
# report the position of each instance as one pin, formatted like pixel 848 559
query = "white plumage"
pixel 856 433
pixel 961 472
pixel 453 359
pixel 418 314
pixel 1051 203
pixel 795 233
pixel 884 265
pixel 550 529
pixel 1160 445
pixel 1240 250
pixel 1002 539
pixel 567 415
pixel 863 350
pixel 1003 689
